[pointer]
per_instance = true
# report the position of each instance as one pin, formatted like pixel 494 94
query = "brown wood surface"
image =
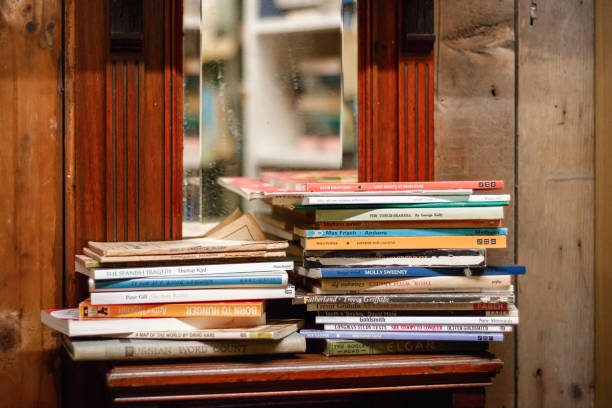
pixel 31 203
pixel 474 122
pixel 555 175
pixel 305 374
pixel 603 206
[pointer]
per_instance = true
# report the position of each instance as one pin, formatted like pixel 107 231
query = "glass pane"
pixel 263 81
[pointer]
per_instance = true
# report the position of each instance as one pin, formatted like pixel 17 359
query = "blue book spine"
pixel 405 232
pixel 374 335
pixel 419 271
pixel 192 282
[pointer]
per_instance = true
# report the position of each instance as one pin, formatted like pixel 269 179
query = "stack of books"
pixel 175 299
pixel 393 267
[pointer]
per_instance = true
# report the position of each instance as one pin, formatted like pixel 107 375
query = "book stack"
pixel 174 299
pixel 393 267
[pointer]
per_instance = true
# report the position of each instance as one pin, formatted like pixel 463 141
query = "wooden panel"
pixel 603 208
pixel 474 121
pixel 396 86
pixel 555 203
pixel 31 204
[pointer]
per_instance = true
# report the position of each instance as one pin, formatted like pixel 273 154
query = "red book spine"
pixel 401 186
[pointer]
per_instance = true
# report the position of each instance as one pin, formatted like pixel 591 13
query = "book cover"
pixel 451 204
pixel 400 199
pixel 398 214
pixel 510 311
pixel 394 258
pixel 273 330
pixel 185 246
pixel 434 336
pixel 67 321
pixel 129 259
pixel 404 186
pixel 416 284
pixel 277 279
pixel 485 296
pixel 414 242
pixel 190 295
pixel 492 319
pixel 315 307
pixel 421 327
pixel 208 309
pixel 343 347
pixel 146 271
pixel 387 272
pixel 146 349
pixel 412 232
pixel 405 224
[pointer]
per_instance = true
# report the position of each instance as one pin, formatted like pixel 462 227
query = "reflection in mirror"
pixel 268 85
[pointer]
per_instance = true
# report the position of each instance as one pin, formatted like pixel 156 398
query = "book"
pixel 210 309
pixel 416 284
pixel 388 199
pixel 190 295
pixel 405 224
pixel 415 242
pixel 510 311
pixel 450 204
pixel 146 271
pixel 343 347
pixel 491 319
pixel 385 272
pixel 243 256
pixel 500 328
pixel 67 321
pixel 315 307
pixel 146 349
pixel 390 258
pixel 397 214
pixel 243 228
pixel 185 246
pixel 277 279
pixel 491 296
pixel 365 335
pixel 413 232
pixel 273 330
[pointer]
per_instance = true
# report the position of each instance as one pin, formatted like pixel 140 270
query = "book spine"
pixel 421 327
pixel 187 270
pixel 417 242
pixel 164 349
pixel 339 347
pixel 402 199
pixel 399 186
pixel 353 272
pixel 410 214
pixel 405 232
pixel 190 295
pixel 505 320
pixel 408 298
pixel 364 335
pixel 197 334
pixel 316 307
pixel 212 282
pixel 424 284
pixel 408 224
pixel 245 309
pixel 450 204
pixel 177 247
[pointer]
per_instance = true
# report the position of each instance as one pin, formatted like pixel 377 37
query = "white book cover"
pixel 190 295
pixel 492 319
pixel 411 214
pixel 420 327
pixel 67 322
pixel 399 199
pixel 180 270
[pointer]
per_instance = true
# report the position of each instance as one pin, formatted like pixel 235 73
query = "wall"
pixel 31 204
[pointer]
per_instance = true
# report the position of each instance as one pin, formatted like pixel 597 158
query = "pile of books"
pixel 175 299
pixel 392 267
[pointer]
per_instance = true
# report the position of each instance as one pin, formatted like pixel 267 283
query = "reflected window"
pixel 268 85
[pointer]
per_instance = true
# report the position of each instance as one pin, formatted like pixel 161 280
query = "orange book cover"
pixel 412 242
pixel 201 309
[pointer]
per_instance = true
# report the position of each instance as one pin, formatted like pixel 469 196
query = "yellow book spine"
pixel 415 242
pixel 214 309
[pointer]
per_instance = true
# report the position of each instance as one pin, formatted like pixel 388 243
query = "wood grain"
pixel 31 204
pixel 555 203
pixel 474 121
pixel 603 208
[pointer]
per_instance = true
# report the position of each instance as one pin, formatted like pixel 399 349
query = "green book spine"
pixel 340 347
pixel 414 205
